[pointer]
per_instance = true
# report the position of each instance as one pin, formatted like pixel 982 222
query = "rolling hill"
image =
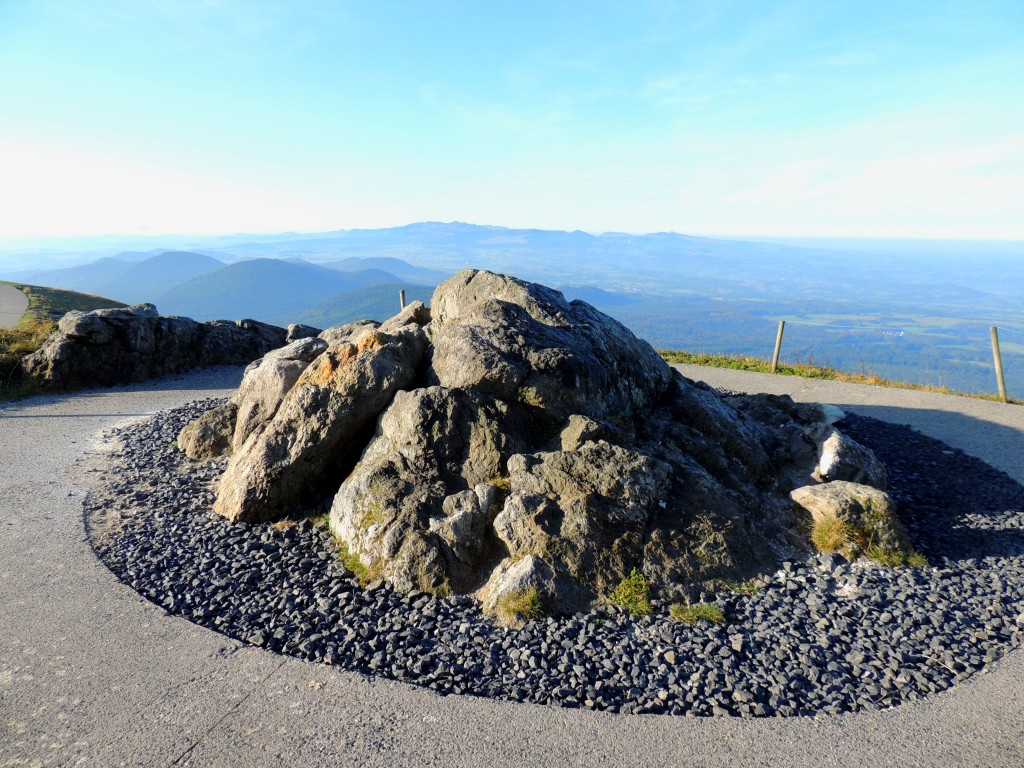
pixel 134 281
pixel 400 269
pixel 264 289
pixel 375 302
pixel 149 279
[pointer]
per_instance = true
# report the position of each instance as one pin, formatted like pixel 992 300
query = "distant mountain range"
pixel 275 290
pixel 919 313
pixel 128 277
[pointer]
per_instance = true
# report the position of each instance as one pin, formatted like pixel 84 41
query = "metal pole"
pixel 778 346
pixel 999 363
pixel 401 298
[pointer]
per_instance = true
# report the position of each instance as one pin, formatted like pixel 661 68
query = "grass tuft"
pixel 363 573
pixel 321 519
pixel 830 534
pixel 633 594
pixel 895 558
pixel 520 605
pixel 692 614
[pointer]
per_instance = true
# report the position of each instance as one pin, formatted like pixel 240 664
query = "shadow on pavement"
pixel 954 505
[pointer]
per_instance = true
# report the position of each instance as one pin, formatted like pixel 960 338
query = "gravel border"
pixel 825 636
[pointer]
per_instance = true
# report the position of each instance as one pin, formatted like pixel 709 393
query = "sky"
pixel 803 118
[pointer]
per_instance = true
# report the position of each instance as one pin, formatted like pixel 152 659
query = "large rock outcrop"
pixel 119 346
pixel 506 440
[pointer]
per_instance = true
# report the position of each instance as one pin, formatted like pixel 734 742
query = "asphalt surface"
pixel 13 304
pixel 92 674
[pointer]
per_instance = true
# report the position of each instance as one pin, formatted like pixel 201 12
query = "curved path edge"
pixel 93 674
pixel 13 306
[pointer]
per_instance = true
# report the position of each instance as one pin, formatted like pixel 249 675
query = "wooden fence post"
pixel 778 346
pixel 401 298
pixel 999 363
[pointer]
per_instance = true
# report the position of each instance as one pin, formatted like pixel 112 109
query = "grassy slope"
pixel 758 365
pixel 53 303
pixel 45 307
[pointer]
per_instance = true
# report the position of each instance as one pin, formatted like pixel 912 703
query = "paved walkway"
pixel 13 304
pixel 92 674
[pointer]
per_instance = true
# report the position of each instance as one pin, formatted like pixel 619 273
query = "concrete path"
pixel 13 304
pixel 91 674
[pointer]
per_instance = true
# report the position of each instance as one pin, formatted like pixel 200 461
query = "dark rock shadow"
pixel 955 506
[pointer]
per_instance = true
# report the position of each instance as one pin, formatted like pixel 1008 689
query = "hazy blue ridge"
pixel 146 280
pixel 262 289
pixel 400 269
pixel 133 281
pixel 86 278
pixel 375 302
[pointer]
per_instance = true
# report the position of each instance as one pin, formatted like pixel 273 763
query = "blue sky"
pixel 887 119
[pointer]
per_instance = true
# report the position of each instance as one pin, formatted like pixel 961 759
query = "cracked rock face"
pixel 506 441
pixel 319 424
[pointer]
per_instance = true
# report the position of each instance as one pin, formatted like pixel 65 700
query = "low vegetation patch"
pixel 808 371
pixel 692 614
pixel 54 303
pixel 364 573
pixel 633 594
pixel 520 605
pixel 895 558
pixel 14 345
pixel 830 534
pixel 321 519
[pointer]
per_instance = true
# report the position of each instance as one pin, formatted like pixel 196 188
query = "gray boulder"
pixel 585 513
pixel 525 343
pixel 222 342
pixel 119 346
pixel 210 435
pixel 525 449
pixel 868 513
pixel 842 458
pixel 515 578
pixel 415 313
pixel 266 383
pixel 260 394
pixel 348 332
pixel 298 331
pixel 580 430
pixel 316 433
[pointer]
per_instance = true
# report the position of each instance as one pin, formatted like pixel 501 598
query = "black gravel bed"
pixel 825 636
